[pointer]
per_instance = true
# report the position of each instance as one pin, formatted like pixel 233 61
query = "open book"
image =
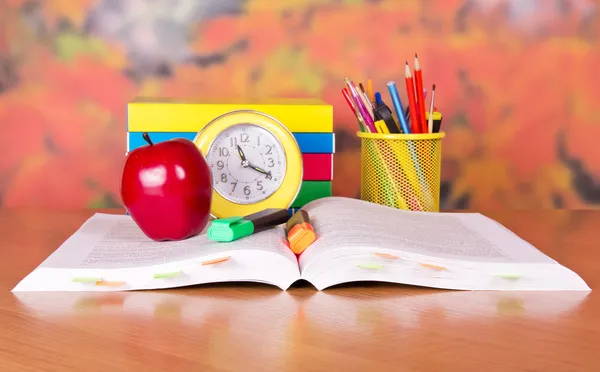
pixel 356 241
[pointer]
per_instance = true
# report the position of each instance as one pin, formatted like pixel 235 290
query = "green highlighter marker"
pixel 233 228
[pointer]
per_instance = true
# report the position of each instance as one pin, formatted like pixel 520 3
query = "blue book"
pixel 310 143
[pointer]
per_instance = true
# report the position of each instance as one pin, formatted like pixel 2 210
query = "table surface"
pixel 254 327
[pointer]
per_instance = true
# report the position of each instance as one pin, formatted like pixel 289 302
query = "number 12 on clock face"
pixel 248 163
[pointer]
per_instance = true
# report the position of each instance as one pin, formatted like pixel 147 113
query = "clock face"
pixel 247 163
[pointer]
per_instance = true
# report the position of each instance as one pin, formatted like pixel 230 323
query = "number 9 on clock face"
pixel 255 163
pixel 247 162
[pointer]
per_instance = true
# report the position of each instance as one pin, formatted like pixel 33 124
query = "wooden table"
pixel 251 327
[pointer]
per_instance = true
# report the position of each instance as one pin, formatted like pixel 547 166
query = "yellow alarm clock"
pixel 255 163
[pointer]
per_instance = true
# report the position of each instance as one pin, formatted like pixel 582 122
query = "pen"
pixel 233 228
pixel 348 100
pixel 368 120
pixel 378 100
pixel 398 106
pixel 366 101
pixel 354 109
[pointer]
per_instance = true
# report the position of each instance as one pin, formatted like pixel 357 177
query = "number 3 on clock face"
pixel 248 163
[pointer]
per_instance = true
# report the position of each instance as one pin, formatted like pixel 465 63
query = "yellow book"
pixel 298 115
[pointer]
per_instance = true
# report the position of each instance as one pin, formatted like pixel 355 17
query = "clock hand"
pixel 241 153
pixel 260 170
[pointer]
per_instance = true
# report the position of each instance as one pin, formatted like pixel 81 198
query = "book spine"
pixel 309 143
pixel 312 190
pixel 317 167
pixel 190 117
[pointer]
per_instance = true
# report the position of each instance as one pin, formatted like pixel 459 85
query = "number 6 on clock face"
pixel 247 162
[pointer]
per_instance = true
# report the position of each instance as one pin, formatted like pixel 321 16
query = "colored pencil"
pixel 370 90
pixel 366 101
pixel 419 97
pixel 415 126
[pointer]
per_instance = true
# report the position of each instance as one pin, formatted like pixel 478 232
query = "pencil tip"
pixel 433 87
pixel 416 56
pixel 407 63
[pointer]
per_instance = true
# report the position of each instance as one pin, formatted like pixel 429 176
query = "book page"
pixel 108 241
pixel 352 223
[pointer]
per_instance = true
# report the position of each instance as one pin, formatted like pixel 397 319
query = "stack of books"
pixel 310 121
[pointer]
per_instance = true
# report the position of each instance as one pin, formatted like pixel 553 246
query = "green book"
pixel 312 190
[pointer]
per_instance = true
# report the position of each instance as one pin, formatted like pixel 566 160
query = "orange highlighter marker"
pixel 300 233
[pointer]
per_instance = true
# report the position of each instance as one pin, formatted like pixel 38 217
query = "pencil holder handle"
pixel 402 170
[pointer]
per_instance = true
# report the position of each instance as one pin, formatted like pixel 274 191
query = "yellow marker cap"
pixel 381 127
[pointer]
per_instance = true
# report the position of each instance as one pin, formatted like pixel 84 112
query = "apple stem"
pixel 147 138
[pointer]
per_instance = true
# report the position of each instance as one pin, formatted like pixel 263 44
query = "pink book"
pixel 317 167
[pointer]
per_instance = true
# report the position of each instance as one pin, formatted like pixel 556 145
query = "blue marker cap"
pixel 378 99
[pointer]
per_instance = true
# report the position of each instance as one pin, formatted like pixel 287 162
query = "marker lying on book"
pixel 233 228
pixel 300 232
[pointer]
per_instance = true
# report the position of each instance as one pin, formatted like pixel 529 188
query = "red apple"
pixel 167 189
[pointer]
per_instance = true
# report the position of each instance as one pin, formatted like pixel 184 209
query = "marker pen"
pixel 384 113
pixel 300 232
pixel 233 228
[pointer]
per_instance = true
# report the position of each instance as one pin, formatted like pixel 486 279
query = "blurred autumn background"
pixel 517 83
